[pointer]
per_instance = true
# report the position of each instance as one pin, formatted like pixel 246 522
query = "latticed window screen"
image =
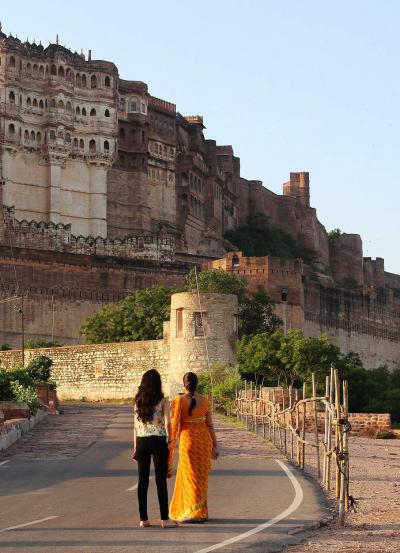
pixel 198 324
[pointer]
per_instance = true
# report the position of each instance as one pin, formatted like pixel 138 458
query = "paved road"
pixel 76 469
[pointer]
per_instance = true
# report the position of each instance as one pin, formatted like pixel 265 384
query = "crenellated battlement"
pixel 58 237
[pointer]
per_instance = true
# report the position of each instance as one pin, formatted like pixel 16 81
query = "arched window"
pixel 78 79
pixel 81 144
pixel 235 261
pixel 78 111
pixel 134 105
pixel 28 68
pixel 106 146
pixel 38 137
pixel 41 71
pixel 69 107
pixel 122 134
pixel 93 81
pixel 28 102
pixel 92 112
pixel 60 105
pixel 26 136
pixel 53 70
pixel 52 136
pixel 92 146
pixel 68 74
pixel 67 138
pixel 84 112
pixel 11 129
pixel 11 61
pixel 107 82
pixel 34 103
pixel 61 72
pixel 11 97
pixel 45 103
pixel 35 69
pixel 76 143
pixel 84 81
pixel 60 135
pixel 52 103
pixel 41 105
pixel 107 113
pixel 33 136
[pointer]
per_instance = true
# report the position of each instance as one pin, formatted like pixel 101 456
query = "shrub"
pixel 386 436
pixel 5 347
pixel 36 344
pixel 6 379
pixel 26 394
pixel 38 369
pixel 220 383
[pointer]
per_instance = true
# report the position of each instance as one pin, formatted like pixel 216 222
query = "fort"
pixel 105 188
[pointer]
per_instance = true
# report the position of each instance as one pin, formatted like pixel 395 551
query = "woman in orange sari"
pixel 192 424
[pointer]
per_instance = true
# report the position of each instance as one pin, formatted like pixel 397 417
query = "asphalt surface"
pixel 93 501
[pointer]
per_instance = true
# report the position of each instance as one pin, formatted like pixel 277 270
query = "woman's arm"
pixel 210 426
pixel 167 419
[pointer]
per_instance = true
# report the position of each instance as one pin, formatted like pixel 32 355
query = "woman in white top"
pixel 152 439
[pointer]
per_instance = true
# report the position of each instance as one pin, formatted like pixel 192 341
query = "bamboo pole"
pixel 330 428
pixel 326 424
pixel 314 393
pixel 303 432
pixel 291 421
pixel 338 429
pixel 346 441
pixel 297 428
pixel 284 421
pixel 273 415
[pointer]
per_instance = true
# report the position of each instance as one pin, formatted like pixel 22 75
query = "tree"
pixel 36 344
pixel 256 315
pixel 136 317
pixel 258 357
pixel 38 369
pixel 259 237
pixel 217 281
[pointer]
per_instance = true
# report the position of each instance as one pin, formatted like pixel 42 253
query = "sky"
pixel 292 85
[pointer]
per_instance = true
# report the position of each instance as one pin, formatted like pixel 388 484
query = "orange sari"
pixel 189 500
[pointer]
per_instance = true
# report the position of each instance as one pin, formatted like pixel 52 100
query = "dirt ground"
pixel 375 484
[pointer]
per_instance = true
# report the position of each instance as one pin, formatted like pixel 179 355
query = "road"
pixel 69 487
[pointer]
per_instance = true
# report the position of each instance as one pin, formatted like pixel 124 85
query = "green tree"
pixel 136 317
pixel 38 369
pixel 259 237
pixel 33 343
pixel 256 315
pixel 259 357
pixel 217 281
pixel 334 234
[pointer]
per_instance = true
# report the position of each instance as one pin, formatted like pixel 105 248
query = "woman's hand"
pixel 169 473
pixel 215 452
pixel 134 458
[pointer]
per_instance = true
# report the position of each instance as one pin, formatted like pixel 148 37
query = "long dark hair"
pixel 149 395
pixel 190 381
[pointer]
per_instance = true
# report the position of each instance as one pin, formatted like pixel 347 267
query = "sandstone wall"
pixel 346 259
pixel 376 346
pixel 100 371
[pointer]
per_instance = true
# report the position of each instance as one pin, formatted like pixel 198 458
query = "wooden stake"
pixel 338 428
pixel 314 393
pixel 297 428
pixel 303 432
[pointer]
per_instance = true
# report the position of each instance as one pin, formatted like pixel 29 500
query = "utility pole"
pixel 284 301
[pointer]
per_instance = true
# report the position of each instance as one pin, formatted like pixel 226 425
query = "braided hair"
pixel 190 381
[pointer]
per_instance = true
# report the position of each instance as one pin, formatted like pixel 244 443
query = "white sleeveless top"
pixel 154 428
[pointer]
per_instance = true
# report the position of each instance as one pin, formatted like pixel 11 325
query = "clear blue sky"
pixel 292 85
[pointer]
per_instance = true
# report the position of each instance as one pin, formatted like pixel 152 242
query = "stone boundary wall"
pixel 99 372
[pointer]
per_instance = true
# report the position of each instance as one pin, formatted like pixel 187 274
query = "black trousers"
pixel 147 447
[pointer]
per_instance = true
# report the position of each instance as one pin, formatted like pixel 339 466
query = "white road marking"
pixel 133 488
pixel 4 462
pixel 298 498
pixel 27 524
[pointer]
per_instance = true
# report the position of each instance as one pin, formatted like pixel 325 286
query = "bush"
pixel 386 436
pixel 5 347
pixel 220 383
pixel 26 394
pixel 36 344
pixel 38 369
pixel 6 379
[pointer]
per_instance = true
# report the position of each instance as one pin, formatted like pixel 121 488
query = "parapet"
pixel 298 187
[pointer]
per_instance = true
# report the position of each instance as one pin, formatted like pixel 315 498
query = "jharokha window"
pixel 198 323
pixel 179 323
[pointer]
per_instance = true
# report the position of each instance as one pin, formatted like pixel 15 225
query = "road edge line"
pixel 298 498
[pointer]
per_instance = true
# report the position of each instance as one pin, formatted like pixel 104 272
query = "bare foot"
pixel 169 524
pixel 144 524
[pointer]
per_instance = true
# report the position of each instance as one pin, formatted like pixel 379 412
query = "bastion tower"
pixel 201 333
pixel 58 129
